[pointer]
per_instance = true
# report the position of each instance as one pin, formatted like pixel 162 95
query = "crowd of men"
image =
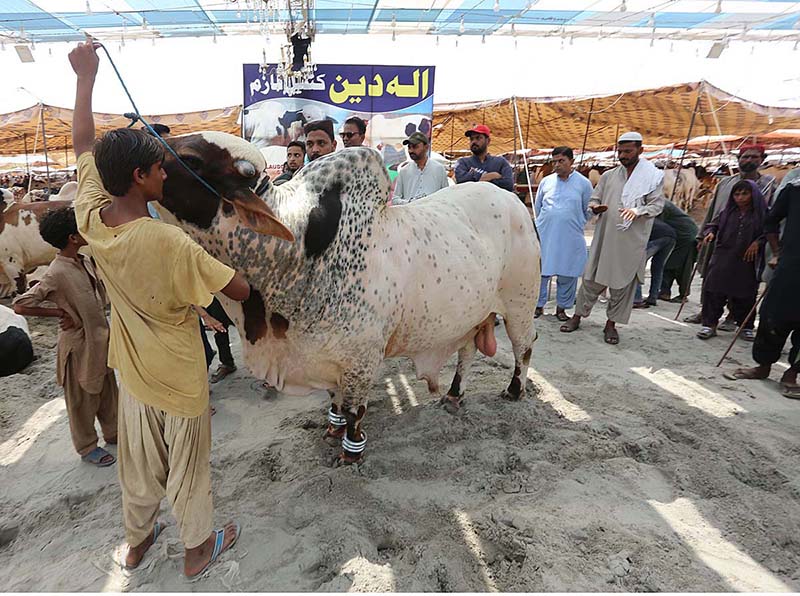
pixel 159 416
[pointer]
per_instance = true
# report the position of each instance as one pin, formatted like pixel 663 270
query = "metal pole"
pixel 719 129
pixel 44 144
pixel 525 162
pixel 516 160
pixel 586 134
pixel 685 145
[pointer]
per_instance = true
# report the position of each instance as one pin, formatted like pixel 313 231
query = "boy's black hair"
pixel 57 226
pixel 119 152
pixel 297 144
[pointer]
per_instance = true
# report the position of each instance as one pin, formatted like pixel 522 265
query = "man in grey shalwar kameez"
pixel 628 197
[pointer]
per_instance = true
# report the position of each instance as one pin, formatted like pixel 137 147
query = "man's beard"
pixel 748 167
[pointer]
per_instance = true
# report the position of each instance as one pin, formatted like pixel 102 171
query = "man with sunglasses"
pixel 353 132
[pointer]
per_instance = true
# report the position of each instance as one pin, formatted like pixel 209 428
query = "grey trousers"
pixel 619 305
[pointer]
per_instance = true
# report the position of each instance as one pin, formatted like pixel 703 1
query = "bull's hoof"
pixel 334 434
pixel 348 459
pixel 508 396
pixel 451 403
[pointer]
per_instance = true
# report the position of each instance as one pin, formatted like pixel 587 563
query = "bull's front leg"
pixel 337 423
pixel 355 386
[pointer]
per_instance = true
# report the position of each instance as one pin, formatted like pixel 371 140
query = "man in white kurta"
pixel 627 198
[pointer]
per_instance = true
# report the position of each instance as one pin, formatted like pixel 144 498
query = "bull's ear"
pixel 256 215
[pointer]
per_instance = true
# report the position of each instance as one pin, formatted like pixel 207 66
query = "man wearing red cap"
pixel 482 167
pixel 750 158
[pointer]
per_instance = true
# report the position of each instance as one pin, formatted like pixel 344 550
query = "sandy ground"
pixel 632 468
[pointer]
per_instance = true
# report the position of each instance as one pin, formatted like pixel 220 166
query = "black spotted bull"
pixel 362 281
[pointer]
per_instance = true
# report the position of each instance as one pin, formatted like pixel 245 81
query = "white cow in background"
pixel 686 190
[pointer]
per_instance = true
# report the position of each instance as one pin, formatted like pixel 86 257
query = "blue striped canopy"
pixel 42 21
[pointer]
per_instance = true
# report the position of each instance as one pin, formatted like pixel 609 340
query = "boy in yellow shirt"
pixel 153 273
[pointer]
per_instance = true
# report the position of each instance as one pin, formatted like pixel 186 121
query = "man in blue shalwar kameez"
pixel 562 210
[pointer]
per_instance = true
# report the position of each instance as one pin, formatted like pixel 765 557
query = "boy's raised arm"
pixel 84 61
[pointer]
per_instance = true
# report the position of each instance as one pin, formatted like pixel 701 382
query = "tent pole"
pixel 44 144
pixel 528 127
pixel 516 160
pixel 27 164
pixel 35 145
pixel 452 128
pixel 716 122
pixel 685 145
pixel 524 159
pixel 586 134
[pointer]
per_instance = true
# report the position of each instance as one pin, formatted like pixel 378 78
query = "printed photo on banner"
pixel 394 101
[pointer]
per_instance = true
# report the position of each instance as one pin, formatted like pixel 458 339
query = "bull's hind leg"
pixel 452 401
pixel 522 334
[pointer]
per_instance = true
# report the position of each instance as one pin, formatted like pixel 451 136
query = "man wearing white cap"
pixel 627 198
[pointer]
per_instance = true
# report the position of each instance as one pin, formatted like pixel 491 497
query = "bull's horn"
pixel 245 168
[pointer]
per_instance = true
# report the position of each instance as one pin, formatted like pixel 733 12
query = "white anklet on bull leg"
pixel 353 451
pixel 337 425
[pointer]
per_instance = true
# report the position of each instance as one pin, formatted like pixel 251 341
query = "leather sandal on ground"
pixel 223 370
pixel 707 333
pixel 611 336
pixel 570 326
pixel 792 391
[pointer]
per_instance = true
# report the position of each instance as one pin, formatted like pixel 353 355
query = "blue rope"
pixel 152 131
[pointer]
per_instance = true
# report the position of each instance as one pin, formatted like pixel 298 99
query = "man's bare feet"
pixel 756 372
pixel 199 558
pixel 136 553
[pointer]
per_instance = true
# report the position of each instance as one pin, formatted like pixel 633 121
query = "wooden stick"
pixel 741 326
pixel 691 279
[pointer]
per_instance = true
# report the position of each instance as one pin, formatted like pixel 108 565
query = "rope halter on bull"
pixel 135 115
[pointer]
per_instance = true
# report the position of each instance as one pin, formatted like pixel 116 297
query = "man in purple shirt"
pixel 482 167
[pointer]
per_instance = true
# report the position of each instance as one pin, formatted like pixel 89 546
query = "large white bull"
pixel 363 281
